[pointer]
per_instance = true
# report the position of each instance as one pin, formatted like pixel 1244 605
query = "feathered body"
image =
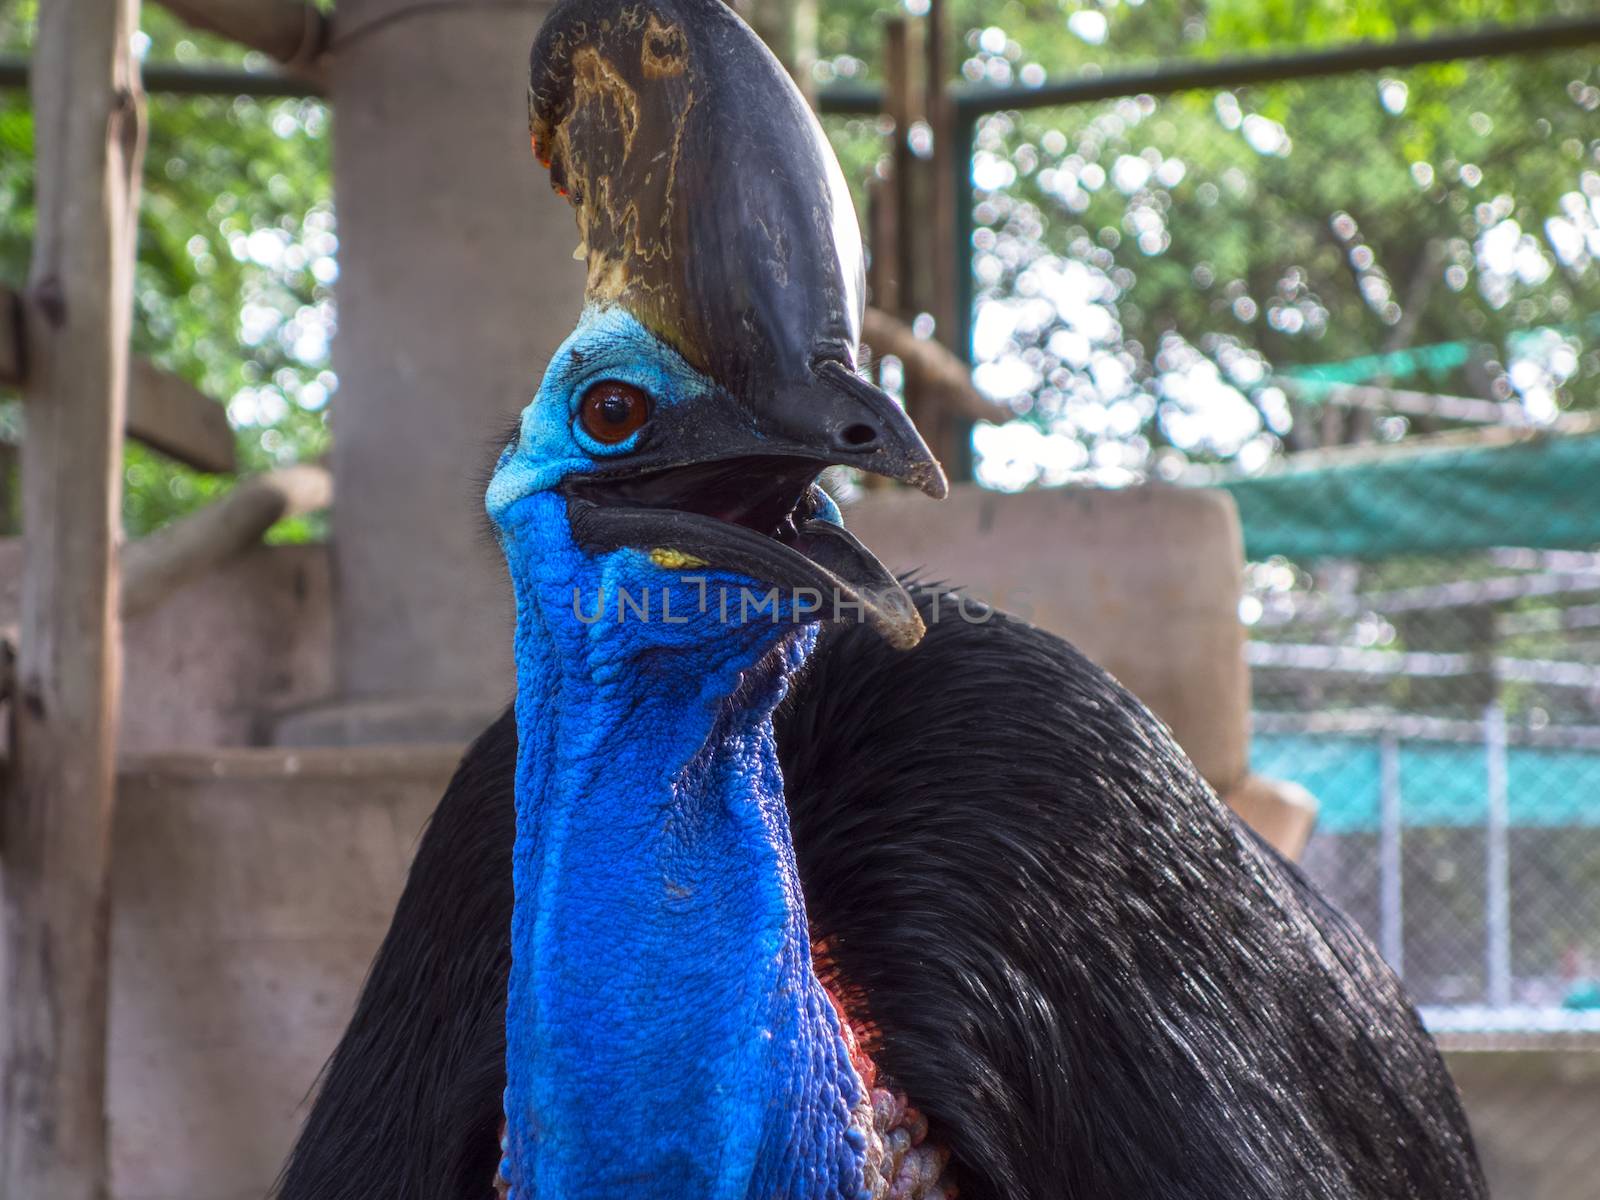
pixel 1090 976
pixel 722 887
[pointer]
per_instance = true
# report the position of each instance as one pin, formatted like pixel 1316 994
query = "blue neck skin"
pixel 666 1035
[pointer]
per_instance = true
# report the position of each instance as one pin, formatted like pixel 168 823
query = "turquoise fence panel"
pixel 1343 773
pixel 1442 785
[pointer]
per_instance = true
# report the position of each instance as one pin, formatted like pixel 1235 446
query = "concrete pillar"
pixel 456 284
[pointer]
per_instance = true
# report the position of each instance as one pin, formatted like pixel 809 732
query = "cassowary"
pixel 783 879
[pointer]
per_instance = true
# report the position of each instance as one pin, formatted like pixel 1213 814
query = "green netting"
pixel 1436 361
pixel 1543 493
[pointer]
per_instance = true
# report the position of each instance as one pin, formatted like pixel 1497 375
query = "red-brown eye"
pixel 611 412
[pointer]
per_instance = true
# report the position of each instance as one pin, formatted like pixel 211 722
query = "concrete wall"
pixel 1146 581
pixel 250 890
pixel 220 661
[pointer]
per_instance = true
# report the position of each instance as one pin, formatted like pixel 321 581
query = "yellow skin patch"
pixel 674 560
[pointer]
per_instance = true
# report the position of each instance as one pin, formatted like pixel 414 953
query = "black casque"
pixel 711 207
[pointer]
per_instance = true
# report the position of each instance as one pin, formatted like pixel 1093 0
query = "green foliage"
pixel 1209 244
pixel 1146 268
pixel 237 255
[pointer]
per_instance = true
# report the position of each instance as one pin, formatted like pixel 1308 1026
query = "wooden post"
pixel 789 28
pixel 56 809
pixel 156 566
pixel 945 257
pixel 901 101
pixel 950 434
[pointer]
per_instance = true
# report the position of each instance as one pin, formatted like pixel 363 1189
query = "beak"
pixel 705 492
pixel 811 559
pixel 860 426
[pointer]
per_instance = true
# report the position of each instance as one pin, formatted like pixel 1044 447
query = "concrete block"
pixel 250 890
pixel 1534 1115
pixel 456 284
pixel 254 860
pixel 226 652
pixel 407 720
pixel 197 1123
pixel 1282 812
pixel 1146 581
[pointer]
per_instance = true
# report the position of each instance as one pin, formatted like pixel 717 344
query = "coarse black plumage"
pixel 1093 979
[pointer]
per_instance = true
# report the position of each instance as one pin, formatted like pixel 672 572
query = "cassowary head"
pixel 679 431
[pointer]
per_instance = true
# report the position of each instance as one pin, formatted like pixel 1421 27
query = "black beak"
pixel 860 426
pixel 704 490
pixel 817 568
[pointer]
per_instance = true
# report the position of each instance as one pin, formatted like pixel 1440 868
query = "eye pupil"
pixel 612 412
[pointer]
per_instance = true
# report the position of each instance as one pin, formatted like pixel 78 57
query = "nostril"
pixel 859 436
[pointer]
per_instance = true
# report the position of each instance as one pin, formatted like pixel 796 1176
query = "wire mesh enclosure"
pixel 1445 710
pixel 1365 303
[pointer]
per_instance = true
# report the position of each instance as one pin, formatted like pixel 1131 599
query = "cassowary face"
pixel 643 493
pixel 678 435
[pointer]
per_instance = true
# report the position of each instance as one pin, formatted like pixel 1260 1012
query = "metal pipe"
pixel 964 129
pixel 1166 78
pixel 172 79
pixel 850 100
pixel 1391 861
pixel 1497 859
pixel 974 100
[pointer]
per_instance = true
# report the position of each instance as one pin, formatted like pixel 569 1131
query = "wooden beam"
pixel 789 28
pixel 941 381
pixel 164 411
pixel 156 566
pixel 169 414
pixel 57 802
pixel 1418 664
pixel 293 32
pixel 1468 410
pixel 1305 609
pixel 901 102
pixel 1375 722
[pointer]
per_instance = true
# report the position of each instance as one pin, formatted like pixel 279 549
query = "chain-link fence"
pixel 1366 302
pixel 1336 294
pixel 1445 711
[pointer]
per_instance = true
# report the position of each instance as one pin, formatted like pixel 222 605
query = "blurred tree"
pixel 1146 269
pixel 237 257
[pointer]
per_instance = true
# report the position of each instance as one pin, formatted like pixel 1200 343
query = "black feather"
pixel 1096 982
pixel 1088 974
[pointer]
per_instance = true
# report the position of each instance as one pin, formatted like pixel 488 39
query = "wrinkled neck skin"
pixel 666 1035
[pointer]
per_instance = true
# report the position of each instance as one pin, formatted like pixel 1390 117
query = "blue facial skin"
pixel 665 1034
